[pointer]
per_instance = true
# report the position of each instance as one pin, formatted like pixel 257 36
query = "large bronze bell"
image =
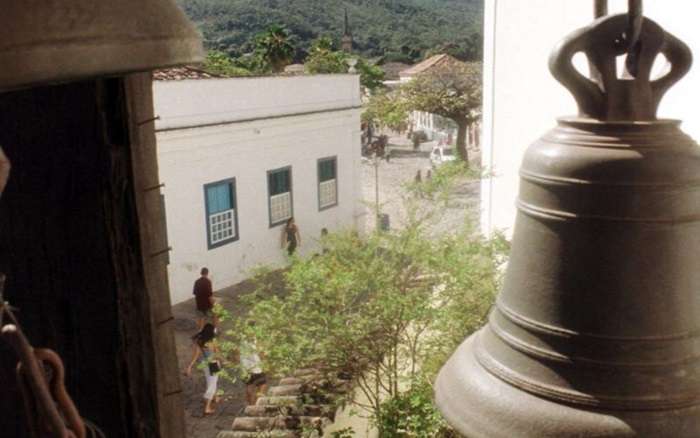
pixel 52 41
pixel 597 330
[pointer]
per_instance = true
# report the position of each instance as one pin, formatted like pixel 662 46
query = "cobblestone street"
pixel 400 170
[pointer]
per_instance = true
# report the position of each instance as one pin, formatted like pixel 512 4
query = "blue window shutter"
pixel 219 198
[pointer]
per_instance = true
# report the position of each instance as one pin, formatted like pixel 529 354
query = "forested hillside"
pixel 393 29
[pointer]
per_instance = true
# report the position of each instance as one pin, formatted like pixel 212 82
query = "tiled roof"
pixel 432 62
pixel 393 69
pixel 181 73
pixel 294 69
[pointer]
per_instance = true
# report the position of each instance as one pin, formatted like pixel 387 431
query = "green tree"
pixel 453 91
pixel 220 64
pixel 252 62
pixel 275 47
pixel 379 27
pixel 386 109
pixel 325 59
pixel 386 309
pixel 371 75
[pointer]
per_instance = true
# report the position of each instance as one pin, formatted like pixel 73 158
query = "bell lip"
pixel 65 63
pixel 587 121
pixel 480 405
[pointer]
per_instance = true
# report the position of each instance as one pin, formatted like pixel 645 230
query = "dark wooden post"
pixel 154 248
pixel 79 237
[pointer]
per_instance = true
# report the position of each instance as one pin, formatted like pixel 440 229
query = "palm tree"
pixel 275 47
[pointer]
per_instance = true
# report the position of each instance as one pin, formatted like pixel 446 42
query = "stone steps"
pixel 280 422
pixel 287 400
pixel 306 373
pixel 285 390
pixel 305 410
pixel 268 434
pixel 299 402
pixel 293 381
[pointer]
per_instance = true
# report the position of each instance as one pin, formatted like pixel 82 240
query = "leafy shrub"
pixel 412 414
pixel 384 310
pixel 219 63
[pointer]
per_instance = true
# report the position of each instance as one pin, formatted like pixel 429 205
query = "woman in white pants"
pixel 203 350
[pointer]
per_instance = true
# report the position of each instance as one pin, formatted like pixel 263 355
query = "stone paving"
pixel 400 170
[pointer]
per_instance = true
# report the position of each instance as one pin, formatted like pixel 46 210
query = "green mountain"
pixel 397 30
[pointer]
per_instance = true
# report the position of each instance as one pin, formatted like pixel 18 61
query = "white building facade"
pixel 238 157
pixel 522 100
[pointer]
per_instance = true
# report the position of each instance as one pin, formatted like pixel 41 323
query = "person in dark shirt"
pixel 290 236
pixel 204 298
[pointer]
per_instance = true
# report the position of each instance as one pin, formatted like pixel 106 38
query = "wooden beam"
pixel 154 248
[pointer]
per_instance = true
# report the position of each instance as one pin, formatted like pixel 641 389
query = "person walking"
pixel 290 236
pixel 204 298
pixel 255 378
pixel 204 350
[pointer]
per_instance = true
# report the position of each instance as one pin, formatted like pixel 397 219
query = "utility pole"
pixel 376 190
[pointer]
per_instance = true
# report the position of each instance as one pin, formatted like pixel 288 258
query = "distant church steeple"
pixel 346 42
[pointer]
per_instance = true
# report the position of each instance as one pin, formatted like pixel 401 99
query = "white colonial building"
pixel 238 157
pixel 522 99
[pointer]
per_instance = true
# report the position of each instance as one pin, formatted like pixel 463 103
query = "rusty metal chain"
pixel 49 410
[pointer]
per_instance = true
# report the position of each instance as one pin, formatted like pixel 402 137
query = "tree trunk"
pixel 462 127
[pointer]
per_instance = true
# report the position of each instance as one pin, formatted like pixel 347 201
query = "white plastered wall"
pixel 522 100
pixel 327 123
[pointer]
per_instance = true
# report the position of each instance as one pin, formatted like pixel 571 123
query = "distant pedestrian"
pixel 204 351
pixel 418 178
pixel 429 175
pixel 290 236
pixel 204 298
pixel 324 238
pixel 255 378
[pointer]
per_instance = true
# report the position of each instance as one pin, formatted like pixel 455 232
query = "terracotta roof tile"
pixel 392 70
pixel 182 73
pixel 432 62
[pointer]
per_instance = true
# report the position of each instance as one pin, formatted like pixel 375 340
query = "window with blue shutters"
pixel 222 214
pixel 279 189
pixel 327 183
